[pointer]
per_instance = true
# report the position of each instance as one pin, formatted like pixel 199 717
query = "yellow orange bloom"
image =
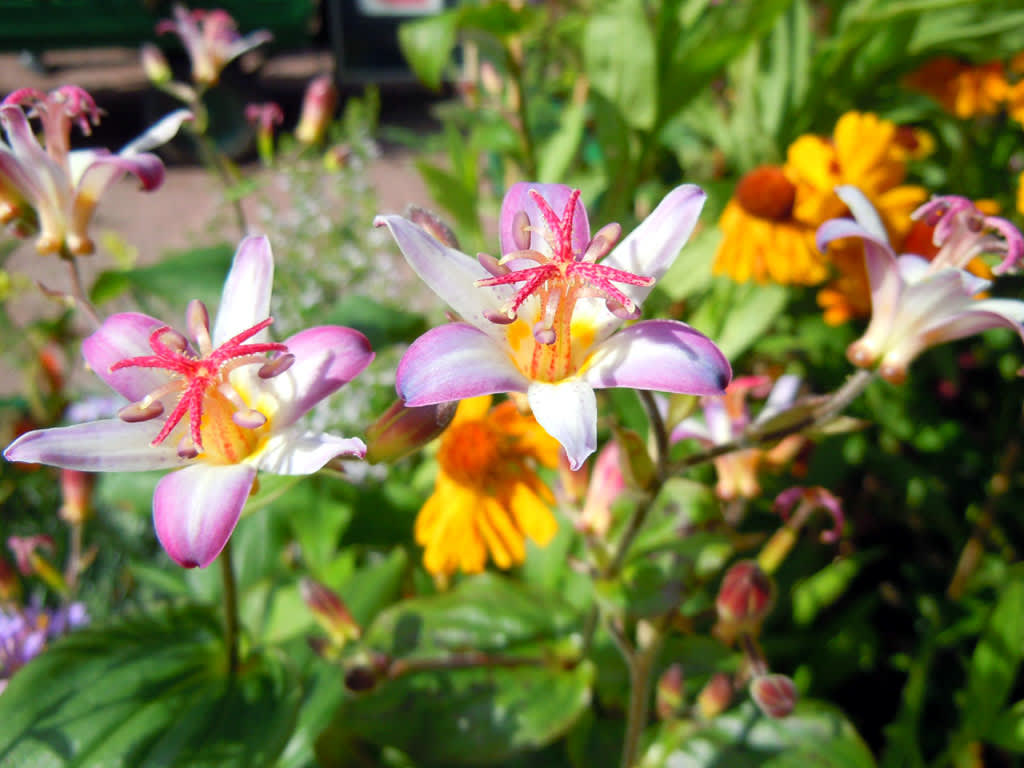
pixel 488 497
pixel 761 240
pixel 964 90
pixel 768 227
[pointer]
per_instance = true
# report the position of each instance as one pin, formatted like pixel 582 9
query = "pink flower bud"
pixel 402 430
pixel 76 489
pixel 329 611
pixel 746 595
pixel 318 107
pixel 155 65
pixel 606 484
pixel 670 693
pixel 715 697
pixel 775 695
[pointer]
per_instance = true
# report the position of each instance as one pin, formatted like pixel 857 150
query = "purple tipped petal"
pixel 97 446
pixel 453 362
pixel 450 274
pixel 104 169
pixel 568 412
pixel 195 510
pixel 863 212
pixel 122 336
pixel 650 249
pixel 326 358
pixel 294 453
pixel 518 199
pixel 977 317
pixel 664 355
pixel 246 297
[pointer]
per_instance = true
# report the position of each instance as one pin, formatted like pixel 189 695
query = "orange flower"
pixel 487 497
pixel 964 90
pixel 761 238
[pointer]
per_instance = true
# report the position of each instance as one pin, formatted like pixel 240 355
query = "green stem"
pixel 230 608
pixel 78 290
pixel 641 664
pixel 515 68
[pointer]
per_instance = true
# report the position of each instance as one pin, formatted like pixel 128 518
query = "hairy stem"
pixel 230 608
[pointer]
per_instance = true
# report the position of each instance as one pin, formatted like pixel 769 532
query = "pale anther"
pixel 277 366
pixel 140 411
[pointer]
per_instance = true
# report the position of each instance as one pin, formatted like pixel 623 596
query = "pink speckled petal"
pixel 246 297
pixel 326 358
pixel 111 445
pixel 195 510
pixel 663 355
pixel 518 198
pixel 453 362
pixel 122 336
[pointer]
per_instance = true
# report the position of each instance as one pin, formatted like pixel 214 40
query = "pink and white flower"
pixel 917 303
pixel 54 189
pixel 728 418
pixel 233 400
pixel 211 40
pixel 554 337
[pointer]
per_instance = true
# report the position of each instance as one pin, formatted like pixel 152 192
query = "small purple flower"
pixel 24 633
pixel 916 304
pixel 217 406
pixel 542 319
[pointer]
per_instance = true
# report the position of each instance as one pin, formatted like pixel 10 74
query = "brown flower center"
pixel 765 192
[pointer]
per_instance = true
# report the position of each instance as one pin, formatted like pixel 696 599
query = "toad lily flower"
pixel 916 303
pixel 55 189
pixel 541 320
pixel 243 396
pixel 211 40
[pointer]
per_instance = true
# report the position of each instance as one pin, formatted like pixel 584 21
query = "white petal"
pixel 303 453
pixel 567 410
pixel 246 297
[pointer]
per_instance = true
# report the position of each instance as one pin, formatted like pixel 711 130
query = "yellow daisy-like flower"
pixel 768 227
pixel 487 497
pixel 964 90
pixel 761 239
pixel 871 154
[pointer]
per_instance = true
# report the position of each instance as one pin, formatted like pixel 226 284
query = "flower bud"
pixel 606 484
pixel 775 695
pixel 403 429
pixel 746 595
pixel 9 585
pixel 637 467
pixel 76 489
pixel 318 107
pixel 330 612
pixel 155 65
pixel 670 693
pixel 433 225
pixel 715 697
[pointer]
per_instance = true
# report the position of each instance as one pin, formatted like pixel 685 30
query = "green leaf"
pixel 814 736
pixel 375 586
pixel 382 322
pixel 993 668
pixel 178 277
pixel 455 197
pixel 485 613
pixel 619 59
pixel 148 691
pixel 817 592
pixel 555 155
pixel 428 43
pixel 737 315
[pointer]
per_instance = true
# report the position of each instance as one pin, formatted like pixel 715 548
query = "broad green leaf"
pixel 485 613
pixel 428 43
pixel 814 736
pixel 823 588
pixel 374 586
pixel 619 59
pixel 1007 730
pixel 147 691
pixel 382 322
pixel 176 279
pixel 555 155
pixel 455 197
pixel 993 668
pixel 737 315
